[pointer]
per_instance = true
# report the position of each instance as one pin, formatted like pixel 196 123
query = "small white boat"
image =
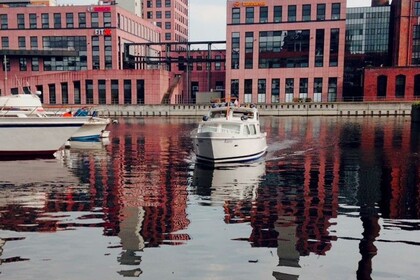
pixel 29 105
pixel 229 133
pixel 35 136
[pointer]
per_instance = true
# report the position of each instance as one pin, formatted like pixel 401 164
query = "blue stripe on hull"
pixel 86 138
pixel 232 159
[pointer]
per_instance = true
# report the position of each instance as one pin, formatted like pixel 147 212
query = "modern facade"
pixel 367 45
pixel 76 55
pixel 171 16
pixel 400 81
pixel 282 51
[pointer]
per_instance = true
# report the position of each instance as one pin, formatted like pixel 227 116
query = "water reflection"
pixel 327 188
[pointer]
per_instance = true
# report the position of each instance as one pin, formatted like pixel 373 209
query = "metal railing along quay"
pixel 283 109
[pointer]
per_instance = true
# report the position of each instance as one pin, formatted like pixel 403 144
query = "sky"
pixel 207 17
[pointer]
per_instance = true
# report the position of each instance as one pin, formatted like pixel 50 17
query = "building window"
pixel 335 11
pixel 275 90
pixel 277 16
pixel 4 22
pixel 235 50
pixel 319 47
pixel 35 64
pixel 4 42
pixel 234 88
pixel 167 14
pixel 32 21
pixel 94 20
pixel 52 93
pixel 289 89
pixel 291 13
pixel 102 91
pixel 108 52
pixel 82 20
pixel 320 12
pixel 69 20
pixel 303 88
pixel 167 3
pixel 149 4
pixel 317 89
pixel 168 36
pixel 415 55
pixel 381 86
pixel 236 15
pixel 22 64
pixel 140 92
pixel 158 3
pixel 114 92
pixel 34 42
pixel 262 85
pixel 64 93
pixel 77 92
pixel 249 50
pixel 218 64
pixel 283 49
pixel 45 21
pixel 332 89
pixel 21 42
pixel 96 62
pixel 417 86
pixel 417 8
pixel 334 43
pixel 400 86
pixel 306 12
pixel 107 19
pixel 248 90
pixel 249 15
pixel 57 20
pixel 263 14
pixel 20 21
pixel 159 14
pixel 127 92
pixel 89 91
pixel 167 25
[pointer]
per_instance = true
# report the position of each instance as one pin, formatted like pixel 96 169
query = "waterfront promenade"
pixel 281 109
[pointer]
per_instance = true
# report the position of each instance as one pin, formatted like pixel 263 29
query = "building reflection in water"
pixel 366 163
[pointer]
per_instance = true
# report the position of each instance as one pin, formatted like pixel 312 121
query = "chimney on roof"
pixel 378 3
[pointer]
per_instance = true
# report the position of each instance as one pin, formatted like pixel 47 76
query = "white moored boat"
pixel 35 136
pixel 29 105
pixel 94 129
pixel 229 133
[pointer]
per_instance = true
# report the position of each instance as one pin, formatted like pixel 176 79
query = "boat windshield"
pixel 231 128
pixel 208 127
pixel 218 114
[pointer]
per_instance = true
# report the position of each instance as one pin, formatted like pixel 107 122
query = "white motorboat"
pixel 229 133
pixel 35 136
pixel 29 105
pixel 94 129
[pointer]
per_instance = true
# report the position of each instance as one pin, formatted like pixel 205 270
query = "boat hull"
pixel 93 130
pixel 210 147
pixel 36 136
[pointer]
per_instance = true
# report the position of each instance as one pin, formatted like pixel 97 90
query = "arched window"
pixel 381 86
pixel 417 85
pixel 400 86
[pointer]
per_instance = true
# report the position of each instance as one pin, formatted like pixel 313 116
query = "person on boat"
pixel 67 114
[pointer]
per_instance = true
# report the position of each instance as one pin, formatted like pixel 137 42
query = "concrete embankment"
pixel 284 109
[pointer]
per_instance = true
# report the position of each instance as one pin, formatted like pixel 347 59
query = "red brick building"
pixel 402 80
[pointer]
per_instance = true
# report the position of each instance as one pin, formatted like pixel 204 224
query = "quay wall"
pixel 285 109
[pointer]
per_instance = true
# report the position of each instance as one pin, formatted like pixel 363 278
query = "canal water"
pixel 334 198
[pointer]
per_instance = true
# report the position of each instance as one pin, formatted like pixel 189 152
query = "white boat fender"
pixel 67 145
pixel 205 118
pixel 244 118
